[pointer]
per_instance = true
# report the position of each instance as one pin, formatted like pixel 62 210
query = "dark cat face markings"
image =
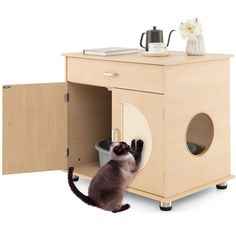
pixel 120 148
pixel 107 187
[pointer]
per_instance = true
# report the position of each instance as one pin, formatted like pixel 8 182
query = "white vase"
pixel 195 47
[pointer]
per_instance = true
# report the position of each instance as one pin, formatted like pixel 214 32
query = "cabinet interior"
pixel 89 121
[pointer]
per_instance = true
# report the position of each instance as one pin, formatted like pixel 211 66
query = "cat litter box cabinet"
pixel 170 102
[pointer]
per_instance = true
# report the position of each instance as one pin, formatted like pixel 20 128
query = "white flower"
pixel 190 29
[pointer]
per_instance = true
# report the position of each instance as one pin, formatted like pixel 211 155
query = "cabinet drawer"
pixel 116 74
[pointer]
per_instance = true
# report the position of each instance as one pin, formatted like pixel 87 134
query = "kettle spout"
pixel 169 37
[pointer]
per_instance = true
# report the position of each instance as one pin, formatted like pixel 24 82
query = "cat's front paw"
pixel 133 144
pixel 140 145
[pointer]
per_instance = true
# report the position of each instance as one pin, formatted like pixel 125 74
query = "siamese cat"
pixel 107 187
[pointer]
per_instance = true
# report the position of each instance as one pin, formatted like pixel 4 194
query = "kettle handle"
pixel 169 38
pixel 141 40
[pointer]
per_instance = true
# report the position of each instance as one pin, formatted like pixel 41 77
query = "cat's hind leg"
pixel 122 208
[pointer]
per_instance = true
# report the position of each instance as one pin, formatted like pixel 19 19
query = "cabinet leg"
pixel 75 178
pixel 165 206
pixel 222 185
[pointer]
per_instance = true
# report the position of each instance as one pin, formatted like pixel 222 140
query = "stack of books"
pixel 111 51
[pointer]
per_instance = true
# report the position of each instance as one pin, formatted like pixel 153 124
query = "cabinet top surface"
pixel 174 58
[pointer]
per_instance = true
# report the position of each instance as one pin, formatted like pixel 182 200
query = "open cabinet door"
pixel 34 127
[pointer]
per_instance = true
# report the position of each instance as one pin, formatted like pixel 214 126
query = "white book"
pixel 109 51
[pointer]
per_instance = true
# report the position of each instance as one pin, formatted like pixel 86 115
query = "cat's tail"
pixel 74 189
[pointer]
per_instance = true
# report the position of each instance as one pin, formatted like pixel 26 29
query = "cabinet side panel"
pixel 193 89
pixel 34 128
pixel 89 121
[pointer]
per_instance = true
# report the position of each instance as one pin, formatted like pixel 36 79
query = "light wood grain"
pixel 87 171
pixel 34 128
pixel 126 75
pixel 89 121
pixel 183 194
pixel 174 58
pixel 191 89
pixel 150 178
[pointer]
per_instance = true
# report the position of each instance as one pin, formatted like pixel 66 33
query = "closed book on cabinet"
pixel 111 51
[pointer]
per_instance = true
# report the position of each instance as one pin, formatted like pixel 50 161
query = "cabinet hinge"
pixel 66 97
pixel 67 152
pixel 6 86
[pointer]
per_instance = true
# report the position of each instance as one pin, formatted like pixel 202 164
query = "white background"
pixel 33 34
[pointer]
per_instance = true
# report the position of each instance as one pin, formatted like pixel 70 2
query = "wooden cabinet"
pixel 172 103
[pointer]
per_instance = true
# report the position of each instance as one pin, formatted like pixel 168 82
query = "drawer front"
pixel 116 74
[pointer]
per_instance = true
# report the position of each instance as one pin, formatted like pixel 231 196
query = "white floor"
pixel 42 204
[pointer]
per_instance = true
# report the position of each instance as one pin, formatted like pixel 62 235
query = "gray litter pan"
pixel 103 151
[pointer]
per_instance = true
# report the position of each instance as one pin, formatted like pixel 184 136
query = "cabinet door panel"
pixel 34 128
pixel 139 115
pixel 89 120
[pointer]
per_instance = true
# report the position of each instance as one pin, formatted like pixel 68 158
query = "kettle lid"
pixel 154 28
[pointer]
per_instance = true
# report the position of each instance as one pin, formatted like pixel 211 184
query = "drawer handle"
pixel 110 74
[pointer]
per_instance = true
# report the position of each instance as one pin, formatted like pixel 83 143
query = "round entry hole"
pixel 200 133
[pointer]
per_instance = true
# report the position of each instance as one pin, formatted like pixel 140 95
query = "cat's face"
pixel 120 148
